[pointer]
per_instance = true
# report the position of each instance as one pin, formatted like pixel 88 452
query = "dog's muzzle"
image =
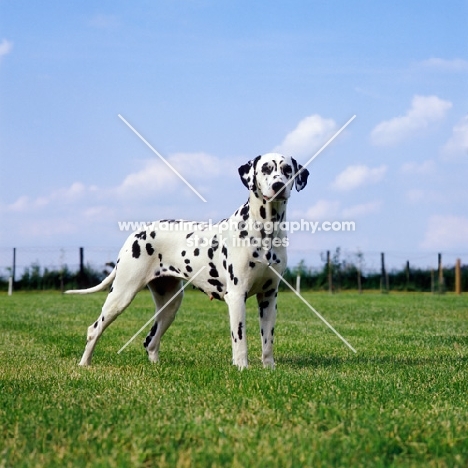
pixel 279 189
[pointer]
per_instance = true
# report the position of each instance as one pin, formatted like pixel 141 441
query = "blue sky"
pixel 212 84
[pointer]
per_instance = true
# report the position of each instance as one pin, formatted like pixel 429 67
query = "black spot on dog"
pixel 252 264
pixel 103 318
pixel 261 306
pixel 270 292
pixel 157 273
pixel 215 243
pixel 239 331
pixel 175 270
pixel 196 252
pixel 224 264
pixel 245 212
pixel 210 253
pixel 111 289
pixel 141 235
pixel 187 261
pixel 268 255
pixel 235 281
pixel 261 331
pixel 183 253
pixel 216 295
pixel 255 254
pixel 233 337
pixel 213 271
pixel 243 234
pixel 224 251
pixel 267 284
pixel 189 234
pixel 217 283
pixel 95 325
pixel 262 212
pixel 272 331
pixel 136 250
pixel 149 249
pixel 189 268
pixel 160 256
pixel 152 234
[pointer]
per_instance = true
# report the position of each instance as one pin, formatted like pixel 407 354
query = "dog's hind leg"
pixel 116 302
pixel 166 293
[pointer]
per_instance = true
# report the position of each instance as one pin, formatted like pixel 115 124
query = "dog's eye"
pixel 267 169
pixel 287 170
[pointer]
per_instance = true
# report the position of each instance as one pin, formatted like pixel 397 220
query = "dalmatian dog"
pixel 230 261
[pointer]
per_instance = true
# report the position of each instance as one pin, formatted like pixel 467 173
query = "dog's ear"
pixel 247 173
pixel 302 175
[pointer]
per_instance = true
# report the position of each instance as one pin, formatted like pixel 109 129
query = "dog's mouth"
pixel 278 196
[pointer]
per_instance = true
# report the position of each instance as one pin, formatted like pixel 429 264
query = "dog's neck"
pixel 263 211
pixel 258 210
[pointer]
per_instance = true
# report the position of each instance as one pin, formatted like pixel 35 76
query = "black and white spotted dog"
pixel 235 257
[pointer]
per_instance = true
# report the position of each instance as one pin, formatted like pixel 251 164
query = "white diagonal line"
pixel 313 310
pixel 160 310
pixel 315 155
pixel 162 159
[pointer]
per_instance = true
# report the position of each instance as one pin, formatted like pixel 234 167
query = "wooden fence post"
pixel 458 277
pixel 441 274
pixel 330 285
pixel 407 275
pixel 13 268
pixel 383 275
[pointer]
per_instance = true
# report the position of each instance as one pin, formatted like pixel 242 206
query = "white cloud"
pixel 457 145
pixel 439 64
pixel 362 209
pixel 153 177
pixel 424 110
pixel 355 176
pixel 446 232
pixel 64 195
pixel 424 168
pixel 200 165
pixel 311 133
pixel 5 48
pixel 322 210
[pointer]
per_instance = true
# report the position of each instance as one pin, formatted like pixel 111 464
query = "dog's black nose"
pixel 278 187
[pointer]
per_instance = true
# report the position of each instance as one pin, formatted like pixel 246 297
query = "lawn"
pixel 402 400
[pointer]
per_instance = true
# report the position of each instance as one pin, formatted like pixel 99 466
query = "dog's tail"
pixel 97 288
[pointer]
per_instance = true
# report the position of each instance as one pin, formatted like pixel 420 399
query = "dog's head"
pixel 271 176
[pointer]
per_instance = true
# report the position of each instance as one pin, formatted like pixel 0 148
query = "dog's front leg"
pixel 236 304
pixel 267 316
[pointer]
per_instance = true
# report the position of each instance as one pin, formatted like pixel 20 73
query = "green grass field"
pixel 402 400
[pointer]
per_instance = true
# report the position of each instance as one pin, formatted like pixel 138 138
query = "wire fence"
pixel 53 258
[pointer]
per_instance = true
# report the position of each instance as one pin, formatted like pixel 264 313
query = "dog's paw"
pixel 153 357
pixel 241 364
pixel 269 364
